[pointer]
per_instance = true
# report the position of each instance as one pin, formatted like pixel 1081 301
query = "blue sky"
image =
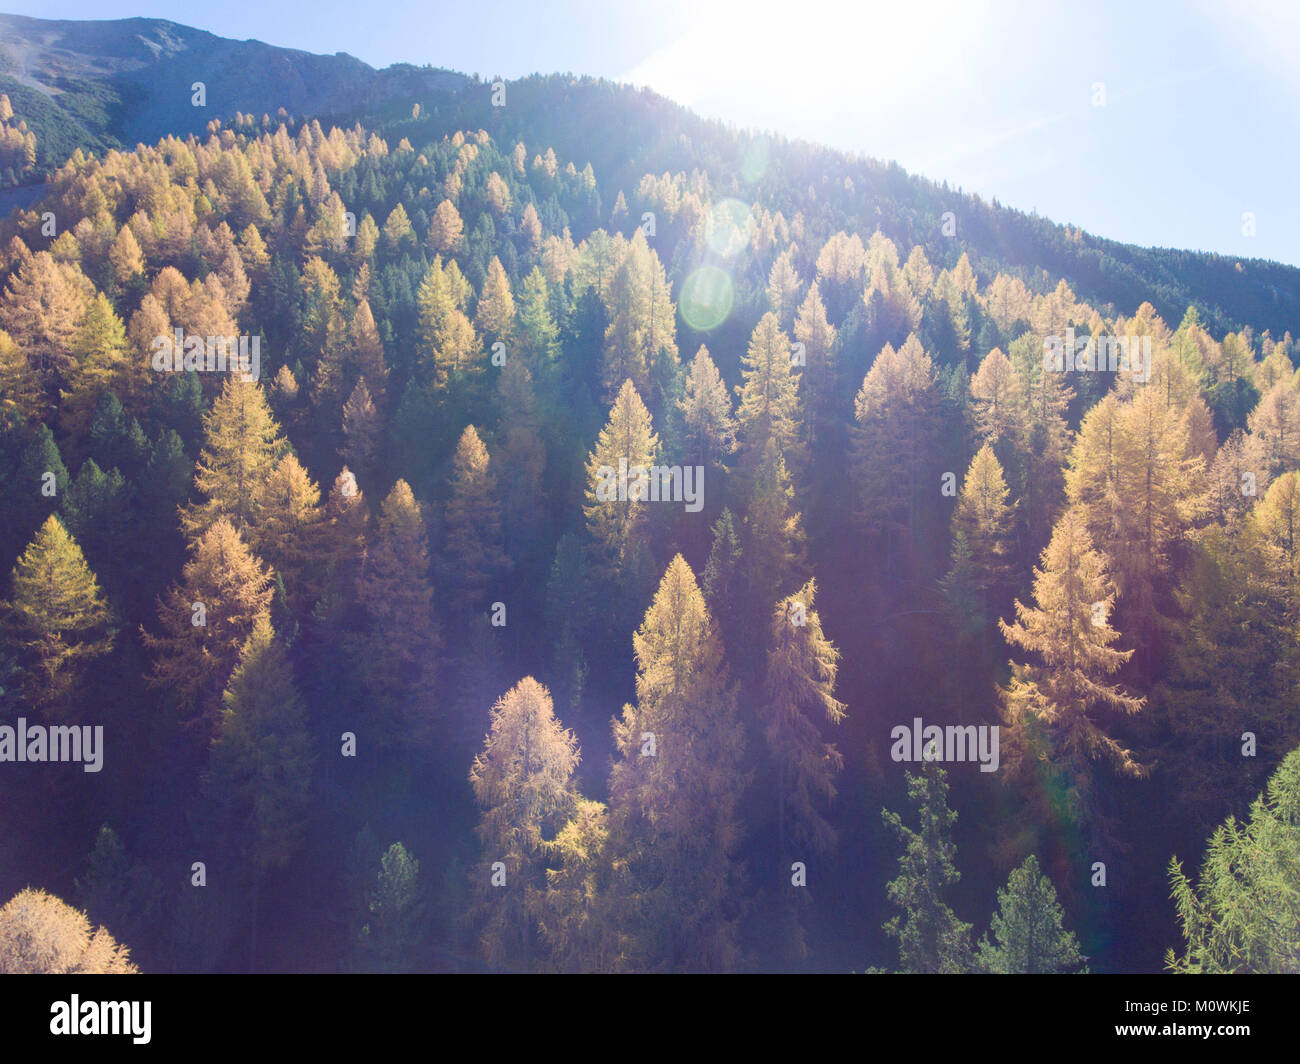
pixel 1150 122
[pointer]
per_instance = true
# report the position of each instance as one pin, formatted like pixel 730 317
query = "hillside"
pixel 113 83
pixel 548 532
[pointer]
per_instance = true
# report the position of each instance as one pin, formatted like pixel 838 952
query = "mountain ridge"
pixel 106 84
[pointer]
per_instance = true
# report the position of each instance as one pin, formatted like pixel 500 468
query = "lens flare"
pixel 754 164
pixel 730 227
pixel 706 298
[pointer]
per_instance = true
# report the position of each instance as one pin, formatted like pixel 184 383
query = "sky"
pixel 1150 122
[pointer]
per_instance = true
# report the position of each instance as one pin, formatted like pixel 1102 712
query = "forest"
pixel 442 554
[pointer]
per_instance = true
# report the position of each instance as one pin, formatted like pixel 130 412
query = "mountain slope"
pixel 97 85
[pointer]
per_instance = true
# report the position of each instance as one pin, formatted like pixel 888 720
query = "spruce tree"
pixel 1026 936
pixel 931 939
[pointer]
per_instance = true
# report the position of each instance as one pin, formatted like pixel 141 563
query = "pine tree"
pixel 96 510
pixel 260 775
pixel 674 810
pixel 289 531
pixel 895 432
pixel 1232 668
pixel 982 524
pixel 1056 702
pixel 617 526
pixel 446 230
pixel 815 332
pixel 397 642
pixel 362 428
pixel 522 459
pixel 1027 936
pixel 496 305
pixel 722 572
pixel 931 940
pixel 241 446
pixel 206 620
pixel 1243 915
pixel 774 538
pixel 523 783
pixel 769 397
pixel 57 618
pixel 41 935
pixel 802 665
pixel 473 556
pixel 706 409
pixel 391 937
pixel 642 316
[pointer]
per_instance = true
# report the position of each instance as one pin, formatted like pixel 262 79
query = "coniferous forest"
pixel 521 526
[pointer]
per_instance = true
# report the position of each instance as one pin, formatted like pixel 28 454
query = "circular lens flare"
pixel 706 298
pixel 730 227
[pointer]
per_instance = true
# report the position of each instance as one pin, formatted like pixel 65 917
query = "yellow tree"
pixel 41 935
pixel 894 409
pixel 397 642
pixel 675 789
pixel 641 327
pixel 206 619
pixel 290 530
pixel 616 517
pixel 102 365
pixel 446 229
pixel 473 554
pixel 496 305
pixel 783 286
pixel 1053 703
pixel 57 618
pixel 769 395
pixel 523 783
pixel 706 409
pixel 241 445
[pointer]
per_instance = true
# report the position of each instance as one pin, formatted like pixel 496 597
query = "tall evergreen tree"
pixel 674 791
pixel 56 618
pixel 1027 936
pixel 931 939
pixel 397 642
pixel 523 783
pixel 241 446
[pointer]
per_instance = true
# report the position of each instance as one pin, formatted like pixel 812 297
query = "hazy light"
pixel 706 298
pixel 730 227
